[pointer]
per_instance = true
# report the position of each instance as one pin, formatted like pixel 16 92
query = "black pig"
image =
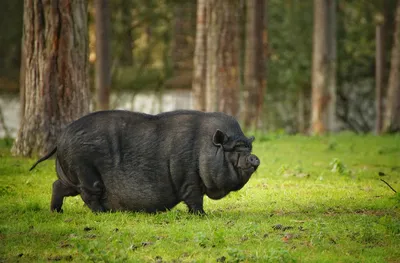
pixel 121 160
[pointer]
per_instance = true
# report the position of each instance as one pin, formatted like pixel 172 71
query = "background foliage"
pixel 145 39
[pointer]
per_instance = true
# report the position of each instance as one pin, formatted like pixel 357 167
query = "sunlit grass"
pixel 313 199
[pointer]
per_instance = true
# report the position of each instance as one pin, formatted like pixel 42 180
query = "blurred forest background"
pixel 309 66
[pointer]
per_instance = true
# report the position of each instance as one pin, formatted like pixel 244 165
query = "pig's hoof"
pixel 57 210
pixel 198 212
pixel 98 209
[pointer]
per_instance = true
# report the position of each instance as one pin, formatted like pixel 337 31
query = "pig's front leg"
pixel 194 200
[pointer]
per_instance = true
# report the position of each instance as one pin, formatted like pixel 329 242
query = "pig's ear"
pixel 251 139
pixel 219 138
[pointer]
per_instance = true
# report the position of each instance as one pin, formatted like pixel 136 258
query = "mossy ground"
pixel 313 199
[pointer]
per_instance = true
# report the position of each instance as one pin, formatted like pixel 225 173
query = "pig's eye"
pixel 241 145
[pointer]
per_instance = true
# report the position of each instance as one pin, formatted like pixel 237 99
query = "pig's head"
pixel 230 165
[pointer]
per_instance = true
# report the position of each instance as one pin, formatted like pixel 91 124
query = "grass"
pixel 313 199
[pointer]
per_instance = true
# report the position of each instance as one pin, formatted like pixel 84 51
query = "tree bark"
pixel 332 57
pixel 178 40
pixel 228 58
pixel 200 57
pixel 55 48
pixel 255 61
pixel 212 92
pixel 250 68
pixel 22 81
pixel 379 71
pixel 392 114
pixel 182 48
pixel 263 71
pixel 301 123
pixel 222 81
pixel 122 44
pixel 320 92
pixel 103 73
pixel 126 58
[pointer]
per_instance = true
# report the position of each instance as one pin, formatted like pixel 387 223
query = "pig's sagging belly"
pixel 135 192
pixel 114 202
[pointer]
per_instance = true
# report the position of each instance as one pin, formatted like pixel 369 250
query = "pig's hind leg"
pixel 60 191
pixel 63 187
pixel 93 197
pixel 91 188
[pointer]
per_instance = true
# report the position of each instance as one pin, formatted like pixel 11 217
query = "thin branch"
pixel 388 185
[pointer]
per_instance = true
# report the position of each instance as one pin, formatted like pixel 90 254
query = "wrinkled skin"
pixel 120 160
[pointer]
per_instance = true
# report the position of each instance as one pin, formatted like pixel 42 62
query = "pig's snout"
pixel 253 160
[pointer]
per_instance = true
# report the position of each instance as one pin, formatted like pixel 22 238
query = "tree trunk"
pixel 301 102
pixel 228 58
pixel 182 49
pixel 103 74
pixel 200 57
pixel 320 92
pixel 379 71
pixel 179 39
pixel 332 56
pixel 213 19
pixel 122 44
pixel 22 81
pixel 250 67
pixel 392 114
pixel 126 58
pixel 255 61
pixel 222 86
pixel 55 48
pixel 263 71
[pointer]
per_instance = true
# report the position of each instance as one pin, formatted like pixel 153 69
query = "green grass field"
pixel 313 199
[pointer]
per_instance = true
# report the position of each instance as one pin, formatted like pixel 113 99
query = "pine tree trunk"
pixel 55 48
pixel 103 65
pixel 320 93
pixel 254 77
pixel 199 67
pixel 392 114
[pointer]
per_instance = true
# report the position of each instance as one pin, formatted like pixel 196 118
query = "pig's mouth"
pixel 247 164
pixel 240 168
pixel 244 174
pixel 247 170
